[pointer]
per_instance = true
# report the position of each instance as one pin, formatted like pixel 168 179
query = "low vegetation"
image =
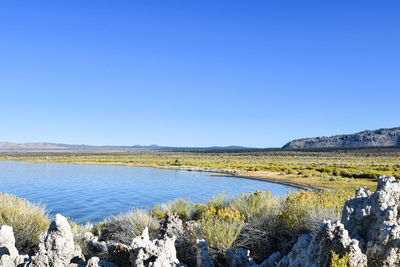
pixel 27 219
pixel 256 221
pixel 337 261
pixel 123 228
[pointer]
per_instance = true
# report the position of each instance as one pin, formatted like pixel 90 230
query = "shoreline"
pixel 217 173
pixel 236 174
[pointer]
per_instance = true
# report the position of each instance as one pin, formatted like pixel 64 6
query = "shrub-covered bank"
pixel 254 229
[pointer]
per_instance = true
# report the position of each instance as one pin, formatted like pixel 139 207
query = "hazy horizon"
pixel 196 74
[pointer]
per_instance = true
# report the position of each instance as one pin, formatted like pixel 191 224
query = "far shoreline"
pixel 212 172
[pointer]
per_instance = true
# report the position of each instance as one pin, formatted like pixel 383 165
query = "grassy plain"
pixel 336 169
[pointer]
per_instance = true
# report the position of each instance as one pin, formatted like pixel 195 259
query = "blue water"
pixel 94 192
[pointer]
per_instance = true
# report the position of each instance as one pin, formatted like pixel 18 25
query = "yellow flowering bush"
pixel 297 207
pixel 27 220
pixel 219 227
pixel 254 204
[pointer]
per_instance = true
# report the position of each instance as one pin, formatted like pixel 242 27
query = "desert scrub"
pixel 259 233
pixel 219 201
pixel 337 261
pixel 28 221
pixel 125 227
pixel 98 227
pixel 179 206
pixel 254 204
pixel 78 231
pixel 219 227
pixel 274 224
pixel 306 209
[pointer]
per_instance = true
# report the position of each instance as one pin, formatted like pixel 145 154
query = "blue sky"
pixel 196 73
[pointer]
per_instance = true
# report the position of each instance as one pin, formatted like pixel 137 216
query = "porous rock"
pixel 171 227
pixel 8 251
pixel 95 248
pixel 374 220
pixel 203 257
pixel 273 260
pixel 119 255
pixel 316 251
pixel 156 253
pixel 93 262
pixel 22 260
pixel 56 247
pixel 241 258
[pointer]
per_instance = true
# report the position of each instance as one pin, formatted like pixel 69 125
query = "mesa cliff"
pixel 376 138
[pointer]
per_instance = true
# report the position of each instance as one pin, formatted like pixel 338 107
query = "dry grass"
pixel 123 228
pixel 28 221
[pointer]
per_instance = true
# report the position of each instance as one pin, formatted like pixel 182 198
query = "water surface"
pixel 94 192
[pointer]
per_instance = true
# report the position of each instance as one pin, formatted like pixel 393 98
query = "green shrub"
pixel 180 206
pixel 28 221
pixel 159 211
pixel 261 227
pixel 337 261
pixel 219 201
pixel 98 227
pixel 308 209
pixel 254 204
pixel 274 224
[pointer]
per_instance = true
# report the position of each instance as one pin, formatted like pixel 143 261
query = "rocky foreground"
pixel 369 232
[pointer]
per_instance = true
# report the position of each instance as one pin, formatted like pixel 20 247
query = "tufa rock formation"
pixel 369 232
pixel 374 220
pixel 56 247
pixel 378 138
pixel 202 256
pixel 315 251
pixel 242 258
pixel 156 253
pixel 8 252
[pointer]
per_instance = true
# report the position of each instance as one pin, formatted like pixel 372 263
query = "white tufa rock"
pixel 315 251
pixel 374 219
pixel 56 247
pixel 241 258
pixel 156 253
pixel 8 251
pixel 93 262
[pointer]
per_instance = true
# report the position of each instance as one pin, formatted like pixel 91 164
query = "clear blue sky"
pixel 196 73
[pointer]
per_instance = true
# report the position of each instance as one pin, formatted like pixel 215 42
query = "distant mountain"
pixel 7 146
pixel 377 138
pixel 53 146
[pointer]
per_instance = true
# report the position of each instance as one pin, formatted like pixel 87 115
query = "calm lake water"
pixel 94 192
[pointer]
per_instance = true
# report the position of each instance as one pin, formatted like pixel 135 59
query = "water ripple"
pixel 94 192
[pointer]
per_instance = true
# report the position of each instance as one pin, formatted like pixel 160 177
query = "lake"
pixel 94 192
